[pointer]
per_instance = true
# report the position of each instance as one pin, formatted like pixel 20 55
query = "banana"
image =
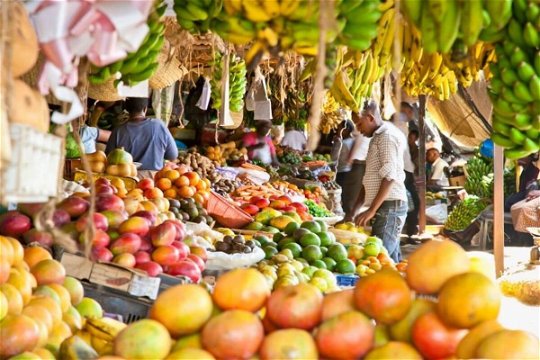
pixel 287 7
pixel 413 9
pixel 438 9
pixel 232 7
pixel 530 35
pixel 521 91
pixel 254 11
pixel 450 25
pixel 429 32
pixel 534 87
pixel 517 56
pixel 471 23
pixel 515 153
pixel 272 7
pixel 525 71
pixel 515 32
pixel 499 11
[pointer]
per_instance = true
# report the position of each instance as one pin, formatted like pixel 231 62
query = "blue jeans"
pixel 387 225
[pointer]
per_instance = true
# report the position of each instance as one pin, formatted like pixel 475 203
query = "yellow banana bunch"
pixel 331 116
pixel 104 328
pixel 469 67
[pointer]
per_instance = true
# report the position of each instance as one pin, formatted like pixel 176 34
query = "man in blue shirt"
pixel 146 139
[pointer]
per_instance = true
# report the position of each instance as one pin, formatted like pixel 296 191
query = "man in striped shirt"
pixel 383 190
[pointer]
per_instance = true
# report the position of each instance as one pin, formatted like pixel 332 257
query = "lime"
pixel 310 239
pixel 294 248
pixel 270 243
pixel 270 229
pixel 278 236
pixel 309 270
pixel 337 252
pixel 374 239
pixel 262 239
pixel 345 266
pixel 371 249
pixel 319 264
pixel 323 225
pixel 285 241
pixel 291 228
pixel 325 274
pixel 324 250
pixel 319 283
pixel 288 253
pixel 330 263
pixel 312 253
pixel 298 233
pixel 327 238
pixel 312 226
pixel 254 226
pixel 269 251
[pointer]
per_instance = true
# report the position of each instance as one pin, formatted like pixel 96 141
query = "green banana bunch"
pixel 515 86
pixel 141 64
pixel 479 177
pixel 196 16
pixel 361 17
pixel 237 82
pixel 464 213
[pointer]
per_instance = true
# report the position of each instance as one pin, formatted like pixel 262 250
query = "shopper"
pixel 294 138
pixel 146 139
pixel 383 190
pixel 341 151
pixel 436 174
pixel 259 144
pixel 357 160
pixel 412 140
pixel 530 173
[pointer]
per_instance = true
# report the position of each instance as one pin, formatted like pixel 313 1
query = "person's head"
pixel 345 128
pixel 263 127
pixel 136 106
pixel 369 119
pixel 432 153
pixel 526 161
pixel 407 109
pixel 413 136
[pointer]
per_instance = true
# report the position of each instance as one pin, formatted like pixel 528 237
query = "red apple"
pixel 150 216
pixel 180 229
pixel 136 225
pixel 74 205
pixel 100 222
pixel 61 217
pixel 145 184
pixel 165 255
pixel 185 268
pixel 287 200
pixel 125 260
pixel 199 251
pixel 101 254
pixel 197 260
pixel 43 238
pixel 109 202
pixel 262 203
pixel 114 217
pixel 183 249
pixel 250 209
pixel 152 268
pixel 14 224
pixel 104 190
pixel 299 206
pixel 142 257
pixel 163 234
pixel 126 243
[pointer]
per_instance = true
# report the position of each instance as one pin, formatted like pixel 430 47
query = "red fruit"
pixel 180 229
pixel 142 257
pixel 126 243
pixel 100 222
pixel 104 190
pixel 297 306
pixel 197 260
pixel 165 255
pixel 288 208
pixel 135 225
pixel 185 268
pixel 125 259
pixel 250 209
pixel 277 204
pixel 287 200
pixel 43 238
pixel 30 209
pixel 101 254
pixel 60 217
pixel 146 245
pixel 183 249
pixel 102 181
pixel 101 239
pixel 150 216
pixel 273 197
pixel 299 206
pixel 114 217
pixel 254 199
pixel 199 251
pixel 152 268
pixel 74 205
pixel 14 224
pixel 163 234
pixel 109 202
pixel 145 184
pixel 434 339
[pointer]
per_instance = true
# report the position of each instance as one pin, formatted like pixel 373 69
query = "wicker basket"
pixel 104 92
pixel 169 69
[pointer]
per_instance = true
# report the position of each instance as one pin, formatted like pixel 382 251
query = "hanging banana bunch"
pixel 331 117
pixel 237 82
pixel 196 16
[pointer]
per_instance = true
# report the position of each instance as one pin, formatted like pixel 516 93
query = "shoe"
pixel 413 241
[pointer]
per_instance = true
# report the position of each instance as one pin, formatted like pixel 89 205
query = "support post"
pixel 422 165
pixel 498 210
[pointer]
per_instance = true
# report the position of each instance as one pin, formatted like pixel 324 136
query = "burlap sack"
pixel 526 214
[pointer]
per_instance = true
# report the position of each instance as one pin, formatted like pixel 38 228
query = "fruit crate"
pixel 346 280
pixel 112 301
pixel 226 213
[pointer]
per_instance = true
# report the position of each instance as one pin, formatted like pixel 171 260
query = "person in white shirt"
pixel 341 150
pixel 436 174
pixel 383 190
pixel 295 139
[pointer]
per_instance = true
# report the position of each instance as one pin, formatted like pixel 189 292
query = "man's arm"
pixel 364 218
pixel 103 135
pixel 357 205
pixel 171 150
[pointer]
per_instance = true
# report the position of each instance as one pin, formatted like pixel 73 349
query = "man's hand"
pixel 365 217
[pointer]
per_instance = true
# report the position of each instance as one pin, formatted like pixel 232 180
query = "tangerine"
pixel 170 193
pixel 182 181
pixel 171 174
pixel 186 191
pixel 164 184
pixel 193 177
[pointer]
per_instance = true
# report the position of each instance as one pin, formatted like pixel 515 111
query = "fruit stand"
pixel 217 254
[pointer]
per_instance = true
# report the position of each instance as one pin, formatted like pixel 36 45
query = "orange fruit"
pixel 205 195
pixel 182 181
pixel 193 177
pixel 19 333
pixel 208 183
pixel 164 184
pixel 14 299
pixel 170 193
pixel 186 191
pixel 172 174
pixel 33 255
pixel 198 198
pixel 18 251
pixel 7 253
pixel 241 289
pixel 287 344
pixel 201 185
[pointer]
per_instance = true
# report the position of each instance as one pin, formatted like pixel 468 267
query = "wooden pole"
pixel 498 210
pixel 422 165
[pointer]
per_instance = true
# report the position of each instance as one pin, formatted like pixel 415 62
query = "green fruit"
pixel 312 253
pixel 322 224
pixel 310 239
pixel 291 228
pixel 277 237
pixel 288 253
pixel 345 266
pixel 330 263
pixel 285 241
pixel 324 250
pixel 294 248
pixel 337 252
pixel 270 229
pixel 269 251
pixel 309 270
pixel 372 249
pixel 262 239
pixel 312 226
pixel 300 232
pixel 327 238
pixel 319 264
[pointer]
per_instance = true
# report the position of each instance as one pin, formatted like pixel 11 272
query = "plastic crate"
pixel 117 302
pixel 347 280
pixel 225 213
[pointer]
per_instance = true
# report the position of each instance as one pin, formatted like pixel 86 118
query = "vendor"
pixel 259 144
pixel 294 138
pixel 436 174
pixel 530 173
pixel 341 150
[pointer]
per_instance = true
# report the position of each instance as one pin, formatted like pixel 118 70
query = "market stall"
pixel 208 236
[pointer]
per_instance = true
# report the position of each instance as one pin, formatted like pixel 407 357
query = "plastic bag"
pixel 437 213
pixel 218 260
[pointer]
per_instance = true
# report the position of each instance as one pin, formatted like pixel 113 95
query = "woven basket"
pixel 169 69
pixel 104 92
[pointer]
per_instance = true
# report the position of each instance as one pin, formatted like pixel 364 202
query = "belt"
pixel 395 202
pixel 360 162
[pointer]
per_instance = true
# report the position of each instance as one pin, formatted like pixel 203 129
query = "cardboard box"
pixel 111 275
pixel 457 180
